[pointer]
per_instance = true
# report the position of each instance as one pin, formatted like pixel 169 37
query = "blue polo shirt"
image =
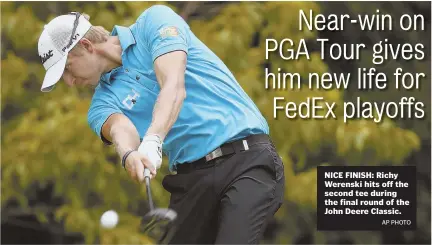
pixel 216 109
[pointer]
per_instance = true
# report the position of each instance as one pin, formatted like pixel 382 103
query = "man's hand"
pixel 151 147
pixel 121 131
pixel 136 162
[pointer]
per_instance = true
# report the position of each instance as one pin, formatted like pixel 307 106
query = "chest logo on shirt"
pixel 131 99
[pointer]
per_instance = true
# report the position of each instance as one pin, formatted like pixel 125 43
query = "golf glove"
pixel 151 146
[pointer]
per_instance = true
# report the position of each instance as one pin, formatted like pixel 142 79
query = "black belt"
pixel 224 150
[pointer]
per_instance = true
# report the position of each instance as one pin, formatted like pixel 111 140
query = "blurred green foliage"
pixel 46 142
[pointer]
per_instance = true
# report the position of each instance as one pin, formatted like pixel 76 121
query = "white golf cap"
pixel 54 46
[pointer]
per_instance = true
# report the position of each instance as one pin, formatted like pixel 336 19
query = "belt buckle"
pixel 214 154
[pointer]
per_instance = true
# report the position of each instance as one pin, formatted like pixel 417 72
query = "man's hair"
pixel 96 34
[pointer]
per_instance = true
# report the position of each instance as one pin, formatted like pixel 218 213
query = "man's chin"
pixel 86 86
pixel 92 84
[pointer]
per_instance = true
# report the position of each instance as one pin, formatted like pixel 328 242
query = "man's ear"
pixel 87 44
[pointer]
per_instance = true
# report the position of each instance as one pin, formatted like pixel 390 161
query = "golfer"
pixel 158 88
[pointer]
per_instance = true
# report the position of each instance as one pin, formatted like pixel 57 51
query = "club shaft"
pixel 149 195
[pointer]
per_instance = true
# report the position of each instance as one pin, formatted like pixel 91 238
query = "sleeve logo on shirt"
pixel 170 31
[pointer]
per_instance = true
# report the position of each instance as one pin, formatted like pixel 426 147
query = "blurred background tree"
pixel 58 178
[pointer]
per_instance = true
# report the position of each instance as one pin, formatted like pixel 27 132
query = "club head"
pixel 159 224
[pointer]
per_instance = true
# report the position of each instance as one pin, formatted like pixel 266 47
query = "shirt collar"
pixel 126 39
pixel 125 35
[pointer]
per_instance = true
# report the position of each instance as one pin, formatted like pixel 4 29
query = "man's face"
pixel 82 68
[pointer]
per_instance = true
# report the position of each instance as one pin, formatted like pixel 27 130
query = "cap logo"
pixel 69 44
pixel 44 57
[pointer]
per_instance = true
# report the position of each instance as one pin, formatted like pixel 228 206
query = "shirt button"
pixel 137 77
pixel 126 70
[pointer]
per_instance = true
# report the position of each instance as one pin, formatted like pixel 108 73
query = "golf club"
pixel 158 223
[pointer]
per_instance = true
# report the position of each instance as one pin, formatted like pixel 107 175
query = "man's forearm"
pixel 166 110
pixel 124 139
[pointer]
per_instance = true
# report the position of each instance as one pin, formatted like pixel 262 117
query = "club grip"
pixel 146 173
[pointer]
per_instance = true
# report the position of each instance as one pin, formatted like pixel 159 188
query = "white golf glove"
pixel 151 146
